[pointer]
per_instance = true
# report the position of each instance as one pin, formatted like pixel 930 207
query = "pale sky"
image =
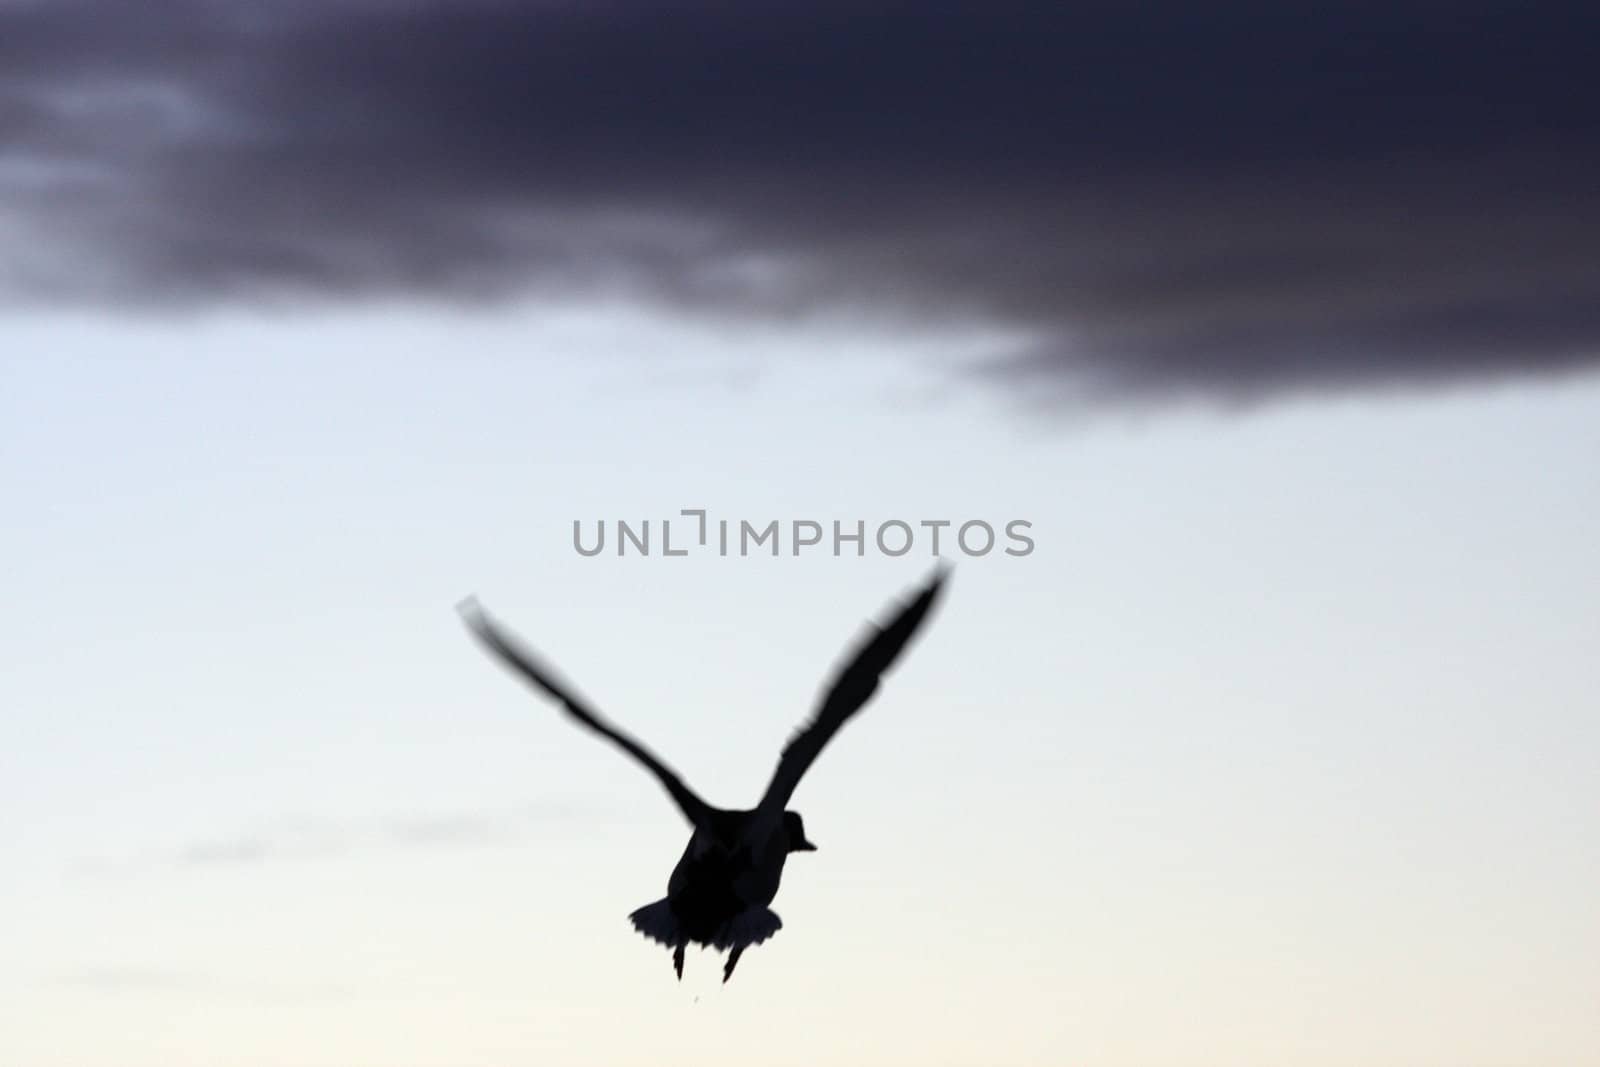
pixel 1276 322
pixel 1279 748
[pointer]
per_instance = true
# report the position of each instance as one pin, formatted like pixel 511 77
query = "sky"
pixel 1277 748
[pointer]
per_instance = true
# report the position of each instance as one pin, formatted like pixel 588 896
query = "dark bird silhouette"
pixel 730 870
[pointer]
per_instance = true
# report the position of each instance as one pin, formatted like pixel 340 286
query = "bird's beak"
pixel 804 846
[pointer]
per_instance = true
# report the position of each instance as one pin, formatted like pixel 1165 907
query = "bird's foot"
pixel 677 960
pixel 733 961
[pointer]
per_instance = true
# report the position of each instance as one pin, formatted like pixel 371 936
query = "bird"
pixel 719 893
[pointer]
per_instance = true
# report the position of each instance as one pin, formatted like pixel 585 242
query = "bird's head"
pixel 794 830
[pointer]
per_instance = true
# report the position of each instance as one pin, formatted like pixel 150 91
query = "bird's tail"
pixel 750 927
pixel 657 922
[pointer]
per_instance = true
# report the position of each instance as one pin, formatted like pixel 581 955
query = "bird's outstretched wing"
pixel 526 662
pixel 848 693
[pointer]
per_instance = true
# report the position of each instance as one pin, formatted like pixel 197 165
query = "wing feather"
pixel 525 662
pixel 849 691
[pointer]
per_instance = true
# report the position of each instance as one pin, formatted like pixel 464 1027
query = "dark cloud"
pixel 1228 200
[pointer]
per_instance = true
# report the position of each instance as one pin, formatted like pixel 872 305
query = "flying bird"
pixel 719 892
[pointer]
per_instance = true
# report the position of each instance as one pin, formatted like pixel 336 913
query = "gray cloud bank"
pixel 313 838
pixel 142 981
pixel 1229 200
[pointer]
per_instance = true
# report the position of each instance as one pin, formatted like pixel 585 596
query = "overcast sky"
pixel 1276 326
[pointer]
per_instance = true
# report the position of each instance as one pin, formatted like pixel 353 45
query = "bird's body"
pixel 719 892
pixel 732 867
pixel 722 874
